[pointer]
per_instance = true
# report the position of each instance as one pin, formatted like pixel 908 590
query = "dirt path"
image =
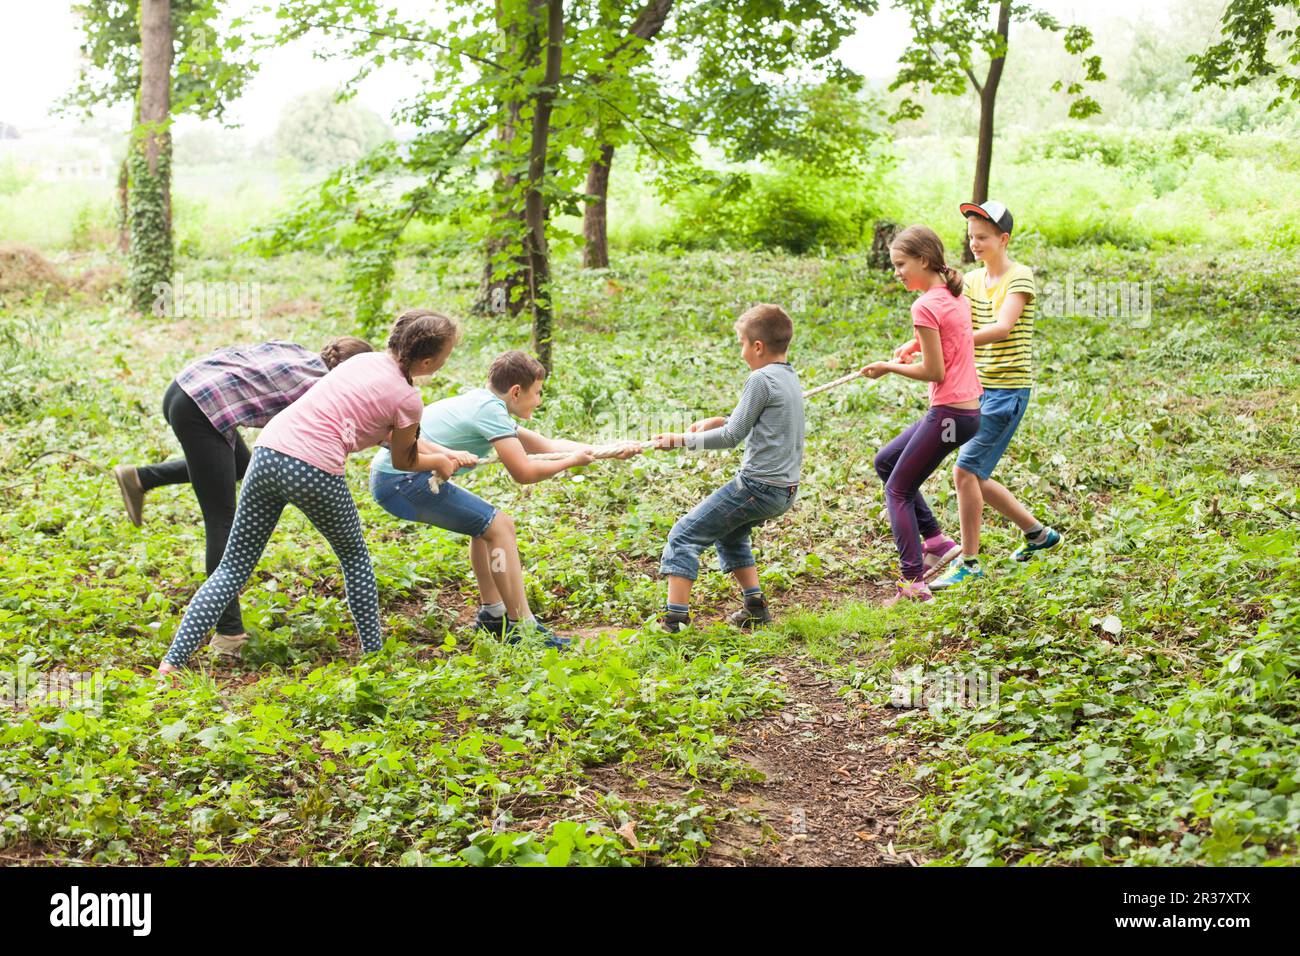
pixel 832 794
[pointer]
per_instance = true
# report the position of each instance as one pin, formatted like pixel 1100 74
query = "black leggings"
pixel 212 467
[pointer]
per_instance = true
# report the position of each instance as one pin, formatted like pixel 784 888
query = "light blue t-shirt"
pixel 468 422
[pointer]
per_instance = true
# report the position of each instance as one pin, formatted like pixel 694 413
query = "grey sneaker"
pixel 132 494
pixel 754 613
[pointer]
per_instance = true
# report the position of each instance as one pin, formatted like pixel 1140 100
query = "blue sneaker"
pixel 496 626
pixel 959 573
pixel 517 629
pixel 1029 549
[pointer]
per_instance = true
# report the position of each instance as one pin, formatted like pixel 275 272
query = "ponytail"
pixel 343 348
pixel 921 242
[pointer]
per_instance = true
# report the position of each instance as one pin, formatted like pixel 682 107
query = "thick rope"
pixel 613 450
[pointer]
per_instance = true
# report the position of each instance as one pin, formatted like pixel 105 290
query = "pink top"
pixel 950 314
pixel 355 406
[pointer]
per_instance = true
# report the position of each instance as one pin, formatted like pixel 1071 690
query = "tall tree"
pixel 149 159
pixel 744 56
pixel 941 56
pixel 206 74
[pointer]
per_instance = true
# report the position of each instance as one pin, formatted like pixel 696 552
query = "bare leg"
pixel 1005 503
pixel 970 506
pixel 495 556
pixel 746 577
pixel 679 589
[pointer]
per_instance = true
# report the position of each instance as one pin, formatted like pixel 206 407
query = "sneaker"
pixel 754 612
pixel 674 621
pixel 496 626
pixel 128 481
pixel 910 591
pixel 939 557
pixel 224 645
pixel 515 631
pixel 959 573
pixel 1029 549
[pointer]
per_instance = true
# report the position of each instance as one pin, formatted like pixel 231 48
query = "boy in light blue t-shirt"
pixel 467 427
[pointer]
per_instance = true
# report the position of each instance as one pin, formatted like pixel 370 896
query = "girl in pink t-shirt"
pixel 298 459
pixel 941 317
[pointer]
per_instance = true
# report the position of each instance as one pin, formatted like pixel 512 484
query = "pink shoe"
pixel 936 558
pixel 910 591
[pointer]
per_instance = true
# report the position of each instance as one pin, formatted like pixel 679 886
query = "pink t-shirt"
pixel 950 314
pixel 355 406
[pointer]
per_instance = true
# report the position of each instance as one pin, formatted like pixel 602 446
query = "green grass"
pixel 1166 452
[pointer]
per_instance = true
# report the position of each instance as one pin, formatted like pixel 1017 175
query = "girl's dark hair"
pixel 420 334
pixel 343 348
pixel 921 242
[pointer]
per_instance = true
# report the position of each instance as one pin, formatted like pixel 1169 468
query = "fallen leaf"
pixel 628 832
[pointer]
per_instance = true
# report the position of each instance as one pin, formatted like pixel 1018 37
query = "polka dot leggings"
pixel 274 480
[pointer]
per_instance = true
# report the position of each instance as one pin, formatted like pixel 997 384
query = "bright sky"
pixel 39 56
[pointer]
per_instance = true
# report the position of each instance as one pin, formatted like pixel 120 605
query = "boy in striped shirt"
pixel 1001 294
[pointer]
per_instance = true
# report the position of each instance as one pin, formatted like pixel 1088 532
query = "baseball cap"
pixel 992 210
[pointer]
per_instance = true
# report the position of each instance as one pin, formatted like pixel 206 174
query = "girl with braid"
pixel 298 459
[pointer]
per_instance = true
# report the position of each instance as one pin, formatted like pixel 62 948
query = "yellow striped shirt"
pixel 1009 363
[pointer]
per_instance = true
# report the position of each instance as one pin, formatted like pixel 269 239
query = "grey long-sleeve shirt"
pixel 770 414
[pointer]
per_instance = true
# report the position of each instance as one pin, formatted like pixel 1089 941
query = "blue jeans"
pixel 724 519
pixel 1000 412
pixel 407 496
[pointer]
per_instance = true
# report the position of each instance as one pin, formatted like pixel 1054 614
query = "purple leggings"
pixel 905 463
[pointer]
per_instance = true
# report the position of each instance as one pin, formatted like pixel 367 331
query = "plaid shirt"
pixel 248 386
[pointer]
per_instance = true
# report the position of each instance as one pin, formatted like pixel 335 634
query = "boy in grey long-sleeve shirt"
pixel 770 416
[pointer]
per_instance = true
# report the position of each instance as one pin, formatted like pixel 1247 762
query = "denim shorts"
pixel 724 519
pixel 1000 412
pixel 407 496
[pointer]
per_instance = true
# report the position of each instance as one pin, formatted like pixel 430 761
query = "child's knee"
pixel 500 528
pixel 882 465
pixel 963 478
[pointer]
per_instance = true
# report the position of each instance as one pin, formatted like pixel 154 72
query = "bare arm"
pixel 525 470
pixel 535 444
pixel 407 456
pixel 929 369
pixel 1012 309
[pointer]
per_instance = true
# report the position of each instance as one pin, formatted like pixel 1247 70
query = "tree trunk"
pixel 123 207
pixel 149 162
pixel 595 217
pixel 535 211
pixel 595 250
pixel 988 97
pixel 505 269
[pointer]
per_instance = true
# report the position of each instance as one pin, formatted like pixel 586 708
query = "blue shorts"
pixel 725 519
pixel 408 496
pixel 1000 412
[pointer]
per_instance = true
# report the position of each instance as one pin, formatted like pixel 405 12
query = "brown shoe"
pixel 132 494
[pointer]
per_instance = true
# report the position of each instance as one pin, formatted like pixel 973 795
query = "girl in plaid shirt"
pixel 206 405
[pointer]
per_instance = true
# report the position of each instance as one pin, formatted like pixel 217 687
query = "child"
pixel 205 405
pixel 299 457
pixel 465 427
pixel 1001 295
pixel 770 415
pixel 941 317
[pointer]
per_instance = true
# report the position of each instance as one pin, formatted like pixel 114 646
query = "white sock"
pixel 494 610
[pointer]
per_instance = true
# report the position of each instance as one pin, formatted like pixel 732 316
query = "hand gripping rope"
pixel 614 449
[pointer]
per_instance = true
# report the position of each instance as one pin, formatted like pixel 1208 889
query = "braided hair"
pixel 420 334
pixel 343 348
pixel 921 242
